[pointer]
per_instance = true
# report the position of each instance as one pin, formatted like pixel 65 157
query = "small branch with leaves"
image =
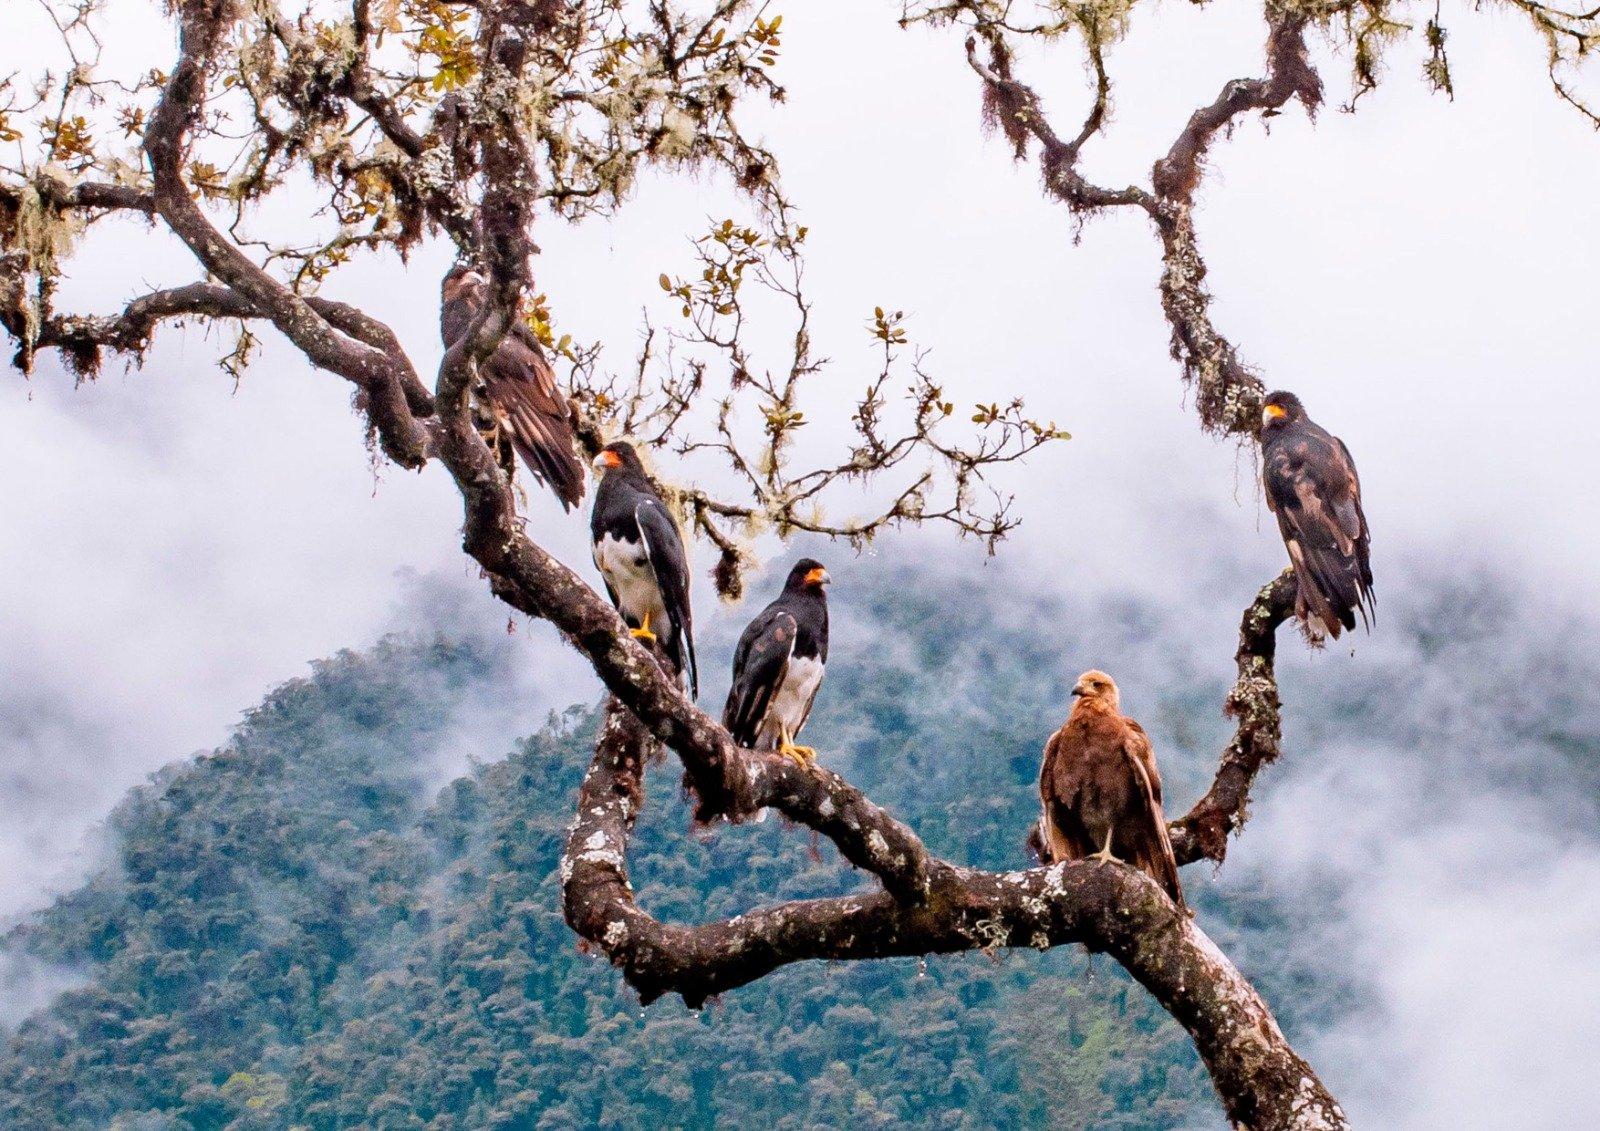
pixel 898 427
pixel 468 120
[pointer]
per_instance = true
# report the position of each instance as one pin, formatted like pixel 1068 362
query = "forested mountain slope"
pixel 301 930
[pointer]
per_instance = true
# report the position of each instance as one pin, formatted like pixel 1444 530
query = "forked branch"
pixel 1263 1083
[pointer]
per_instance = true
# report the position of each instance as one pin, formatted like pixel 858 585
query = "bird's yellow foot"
pixel 805 755
pixel 643 631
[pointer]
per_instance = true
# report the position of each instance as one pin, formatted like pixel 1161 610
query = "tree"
pixel 467 119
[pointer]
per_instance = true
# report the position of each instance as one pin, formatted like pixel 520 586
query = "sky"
pixel 1420 272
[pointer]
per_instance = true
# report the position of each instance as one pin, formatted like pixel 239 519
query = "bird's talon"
pixel 804 755
pixel 642 634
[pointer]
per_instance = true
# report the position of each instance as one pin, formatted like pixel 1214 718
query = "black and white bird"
pixel 779 664
pixel 639 552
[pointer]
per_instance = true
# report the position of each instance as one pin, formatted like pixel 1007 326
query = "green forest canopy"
pixel 298 931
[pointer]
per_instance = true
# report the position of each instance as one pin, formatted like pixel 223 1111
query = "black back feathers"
pixel 778 665
pixel 640 553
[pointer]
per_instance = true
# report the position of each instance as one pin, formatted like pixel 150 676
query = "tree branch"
pixel 1289 75
pixel 728 782
pixel 1021 110
pixel 1202 833
pixel 90 194
pixel 378 373
pixel 1263 1083
pixel 1227 394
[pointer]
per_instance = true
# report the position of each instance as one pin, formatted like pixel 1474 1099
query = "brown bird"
pixel 1101 791
pixel 520 388
pixel 1312 487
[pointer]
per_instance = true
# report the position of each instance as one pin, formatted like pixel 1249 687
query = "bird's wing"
pixel 1320 518
pixel 759 666
pixel 664 545
pixel 1152 845
pixel 1363 536
pixel 522 387
pixel 1061 830
pixel 1137 744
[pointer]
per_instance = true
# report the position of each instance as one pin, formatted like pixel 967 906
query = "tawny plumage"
pixel 1100 790
pixel 520 388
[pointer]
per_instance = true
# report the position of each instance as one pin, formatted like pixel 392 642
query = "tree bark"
pixel 1263 1083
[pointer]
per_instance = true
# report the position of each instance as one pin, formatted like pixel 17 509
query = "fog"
pixel 1445 855
pixel 1419 272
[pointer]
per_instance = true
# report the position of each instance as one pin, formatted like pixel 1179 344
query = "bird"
pixel 1100 790
pixel 519 387
pixel 640 554
pixel 1311 485
pixel 779 664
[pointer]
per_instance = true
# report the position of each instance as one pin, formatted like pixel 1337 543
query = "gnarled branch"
pixel 1263 1083
pixel 1227 394
pixel 1202 833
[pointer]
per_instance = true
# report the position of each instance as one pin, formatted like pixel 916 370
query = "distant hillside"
pixel 298 931
pixel 293 935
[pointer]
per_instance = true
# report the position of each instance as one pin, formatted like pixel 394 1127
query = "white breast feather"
pixel 627 570
pixel 790 701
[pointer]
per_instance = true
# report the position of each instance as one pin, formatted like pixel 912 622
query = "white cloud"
pixel 1421 271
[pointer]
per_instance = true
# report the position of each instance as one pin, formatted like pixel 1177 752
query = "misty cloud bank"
pixel 1436 827
pixel 1429 844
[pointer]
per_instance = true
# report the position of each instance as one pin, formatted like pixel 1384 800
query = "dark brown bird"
pixel 1312 487
pixel 520 389
pixel 1100 789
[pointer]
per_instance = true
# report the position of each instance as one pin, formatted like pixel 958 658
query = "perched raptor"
pixel 1101 791
pixel 778 666
pixel 1312 487
pixel 520 389
pixel 640 554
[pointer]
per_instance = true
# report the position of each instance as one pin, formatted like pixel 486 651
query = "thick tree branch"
pixel 728 781
pixel 1227 394
pixel 87 195
pixel 1264 1084
pixel 378 373
pixel 83 337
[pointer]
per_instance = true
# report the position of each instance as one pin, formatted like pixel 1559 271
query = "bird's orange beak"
pixel 818 576
pixel 1272 412
pixel 607 460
